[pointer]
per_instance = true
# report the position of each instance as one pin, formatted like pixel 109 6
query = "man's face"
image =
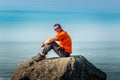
pixel 57 29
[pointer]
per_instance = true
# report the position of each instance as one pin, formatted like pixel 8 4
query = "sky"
pixel 61 5
pixel 85 20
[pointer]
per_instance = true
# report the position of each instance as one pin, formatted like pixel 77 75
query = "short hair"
pixel 57 25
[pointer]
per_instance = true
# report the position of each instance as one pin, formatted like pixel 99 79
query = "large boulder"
pixel 65 68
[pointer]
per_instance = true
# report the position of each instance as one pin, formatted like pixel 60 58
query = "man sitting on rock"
pixel 63 49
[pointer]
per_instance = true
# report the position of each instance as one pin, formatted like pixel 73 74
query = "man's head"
pixel 57 28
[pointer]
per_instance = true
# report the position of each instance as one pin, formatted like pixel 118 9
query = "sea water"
pixel 104 55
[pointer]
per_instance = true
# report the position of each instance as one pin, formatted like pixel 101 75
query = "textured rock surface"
pixel 70 68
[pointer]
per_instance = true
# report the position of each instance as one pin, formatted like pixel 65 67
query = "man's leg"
pixel 41 55
pixel 59 51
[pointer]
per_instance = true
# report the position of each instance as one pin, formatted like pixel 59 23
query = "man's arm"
pixel 49 40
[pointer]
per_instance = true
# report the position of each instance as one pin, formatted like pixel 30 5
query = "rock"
pixel 65 68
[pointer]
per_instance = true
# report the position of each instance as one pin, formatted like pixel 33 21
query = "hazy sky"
pixel 85 20
pixel 61 5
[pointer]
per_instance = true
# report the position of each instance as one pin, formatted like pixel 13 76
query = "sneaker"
pixel 38 57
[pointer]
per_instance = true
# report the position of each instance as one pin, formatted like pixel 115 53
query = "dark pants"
pixel 58 50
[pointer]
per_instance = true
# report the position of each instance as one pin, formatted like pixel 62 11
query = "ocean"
pixel 104 55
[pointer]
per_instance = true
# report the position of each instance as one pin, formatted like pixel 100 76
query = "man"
pixel 63 49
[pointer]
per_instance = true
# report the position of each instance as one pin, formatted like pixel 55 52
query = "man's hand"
pixel 49 40
pixel 42 45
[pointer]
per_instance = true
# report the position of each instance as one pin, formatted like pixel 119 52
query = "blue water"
pixel 104 55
